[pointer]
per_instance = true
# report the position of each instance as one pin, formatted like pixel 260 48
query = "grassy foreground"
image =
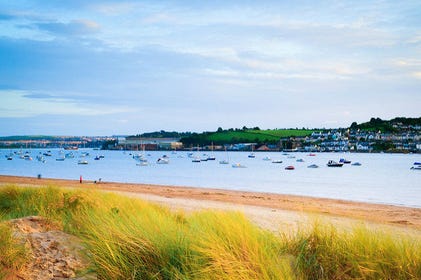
pixel 132 239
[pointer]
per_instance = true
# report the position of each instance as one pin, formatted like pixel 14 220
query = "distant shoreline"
pixel 369 212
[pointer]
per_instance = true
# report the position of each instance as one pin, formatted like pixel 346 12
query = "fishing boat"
pixel 332 163
pixel 289 167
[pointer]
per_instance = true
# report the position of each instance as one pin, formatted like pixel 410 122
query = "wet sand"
pixel 268 210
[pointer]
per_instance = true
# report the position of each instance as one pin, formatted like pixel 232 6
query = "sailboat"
pixel 252 155
pixel 196 158
pixel 227 160
pixel 141 158
pixel 211 157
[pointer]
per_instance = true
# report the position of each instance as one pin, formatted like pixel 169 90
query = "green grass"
pixel 259 136
pixel 133 239
pixel 12 252
pixel 324 252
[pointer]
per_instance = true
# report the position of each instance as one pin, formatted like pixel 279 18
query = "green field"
pixel 133 239
pixel 244 136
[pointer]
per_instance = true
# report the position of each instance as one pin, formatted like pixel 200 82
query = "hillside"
pixel 398 124
pixel 232 136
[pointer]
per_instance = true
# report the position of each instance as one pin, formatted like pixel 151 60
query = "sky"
pixel 127 67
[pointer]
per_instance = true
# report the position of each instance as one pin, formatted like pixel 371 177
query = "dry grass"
pixel 132 239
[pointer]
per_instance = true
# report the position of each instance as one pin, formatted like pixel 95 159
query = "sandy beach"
pixel 271 211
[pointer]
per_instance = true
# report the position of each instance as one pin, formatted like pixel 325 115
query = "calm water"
pixel 382 178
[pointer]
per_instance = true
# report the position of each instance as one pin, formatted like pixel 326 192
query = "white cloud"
pixel 20 103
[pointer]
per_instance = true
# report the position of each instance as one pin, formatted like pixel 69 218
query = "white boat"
pixel 211 157
pixel 277 161
pixel 332 163
pixel 416 167
pixel 313 166
pixel 300 160
pixel 266 158
pixel 252 155
pixel 356 164
pixel 82 162
pixel 238 165
pixel 225 161
pixel 196 159
pixel 27 157
pixel 60 159
pixel 163 160
pixel 142 163
pixel 69 155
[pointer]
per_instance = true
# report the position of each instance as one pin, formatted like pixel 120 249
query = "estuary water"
pixel 381 178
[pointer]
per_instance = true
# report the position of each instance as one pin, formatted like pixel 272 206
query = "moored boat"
pixel 289 167
pixel 356 164
pixel 313 166
pixel 344 161
pixel 276 161
pixel 416 167
pixel 196 159
pixel 332 163
pixel 163 160
pixel 238 165
pixel 82 162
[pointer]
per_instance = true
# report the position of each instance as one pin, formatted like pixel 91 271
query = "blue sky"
pixel 127 67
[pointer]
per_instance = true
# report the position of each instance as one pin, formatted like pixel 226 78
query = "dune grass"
pixel 12 252
pixel 133 239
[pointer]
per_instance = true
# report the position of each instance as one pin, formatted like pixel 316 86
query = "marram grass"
pixel 132 239
pixel 324 252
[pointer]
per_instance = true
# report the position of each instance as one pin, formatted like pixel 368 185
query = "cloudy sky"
pixel 126 67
